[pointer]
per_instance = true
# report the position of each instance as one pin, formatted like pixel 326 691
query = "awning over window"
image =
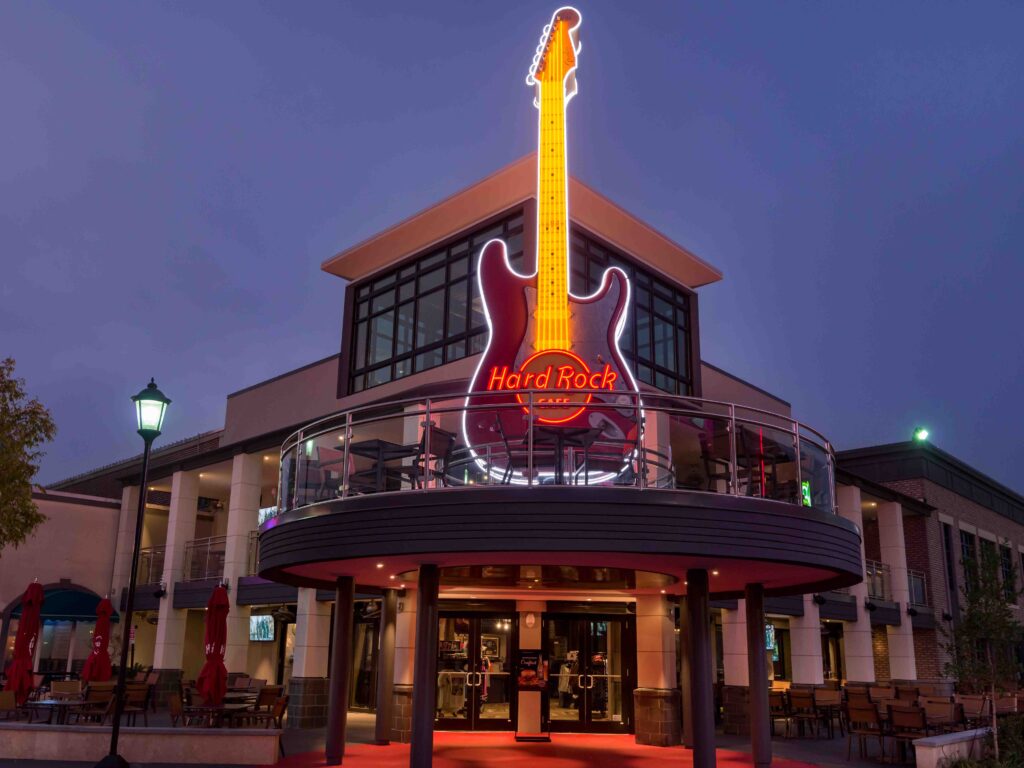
pixel 63 604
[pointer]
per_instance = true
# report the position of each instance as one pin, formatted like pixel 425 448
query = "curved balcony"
pixel 670 443
pixel 651 486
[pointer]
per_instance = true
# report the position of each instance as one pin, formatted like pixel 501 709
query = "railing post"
pixel 831 461
pixel 529 439
pixel 299 447
pixel 426 449
pixel 641 446
pixel 345 479
pixel 799 467
pixel 733 471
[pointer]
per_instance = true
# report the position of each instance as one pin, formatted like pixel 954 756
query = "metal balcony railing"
pixel 876 575
pixel 204 558
pixel 918 589
pixel 254 553
pixel 650 442
pixel 151 565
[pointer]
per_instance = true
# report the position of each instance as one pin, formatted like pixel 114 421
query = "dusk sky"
pixel 172 175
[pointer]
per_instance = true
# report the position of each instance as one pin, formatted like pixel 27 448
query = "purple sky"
pixel 171 176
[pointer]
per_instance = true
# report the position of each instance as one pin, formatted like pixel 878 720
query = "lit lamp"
pixel 920 434
pixel 150 409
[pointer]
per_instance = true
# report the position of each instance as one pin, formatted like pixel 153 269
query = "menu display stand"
pixel 532 680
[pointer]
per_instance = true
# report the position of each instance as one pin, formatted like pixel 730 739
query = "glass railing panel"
pixel 815 477
pixel 766 462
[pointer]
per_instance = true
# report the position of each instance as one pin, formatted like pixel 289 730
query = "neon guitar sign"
pixel 551 352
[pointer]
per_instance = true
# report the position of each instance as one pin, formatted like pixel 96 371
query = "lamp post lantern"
pixel 150 409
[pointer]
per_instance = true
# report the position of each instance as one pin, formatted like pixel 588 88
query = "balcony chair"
pixel 716 469
pixel 864 723
pixel 440 450
pixel 758 465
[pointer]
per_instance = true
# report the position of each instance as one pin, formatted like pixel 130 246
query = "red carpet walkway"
pixel 469 750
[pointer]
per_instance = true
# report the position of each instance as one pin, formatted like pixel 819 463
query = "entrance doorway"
pixel 591 678
pixel 474 672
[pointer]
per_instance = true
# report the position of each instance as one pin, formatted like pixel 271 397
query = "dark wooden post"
pixel 757 665
pixel 424 675
pixel 702 697
pixel 386 666
pixel 341 669
pixel 685 684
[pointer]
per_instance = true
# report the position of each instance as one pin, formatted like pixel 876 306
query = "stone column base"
pixel 401 714
pixel 307 702
pixel 167 683
pixel 736 710
pixel 658 716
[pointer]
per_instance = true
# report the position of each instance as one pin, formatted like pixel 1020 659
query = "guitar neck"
pixel 552 319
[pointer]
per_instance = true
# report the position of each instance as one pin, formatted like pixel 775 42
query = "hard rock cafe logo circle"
pixel 561 380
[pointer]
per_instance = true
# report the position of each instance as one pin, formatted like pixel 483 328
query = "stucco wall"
pixel 76 542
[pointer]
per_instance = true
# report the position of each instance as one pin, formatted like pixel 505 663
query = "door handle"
pixel 469 680
pixel 479 679
pixel 593 682
pixel 579 682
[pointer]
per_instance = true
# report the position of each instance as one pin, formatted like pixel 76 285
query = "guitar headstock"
pixel 555 60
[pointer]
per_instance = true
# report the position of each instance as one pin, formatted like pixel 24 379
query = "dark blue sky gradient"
pixel 172 175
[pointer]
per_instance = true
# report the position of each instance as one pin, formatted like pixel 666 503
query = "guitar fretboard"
pixel 552 318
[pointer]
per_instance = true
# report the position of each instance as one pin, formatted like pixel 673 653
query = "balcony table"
pixel 380 451
pixel 562 438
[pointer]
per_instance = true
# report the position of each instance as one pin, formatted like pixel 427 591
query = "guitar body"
pixel 552 376
pixel 499 418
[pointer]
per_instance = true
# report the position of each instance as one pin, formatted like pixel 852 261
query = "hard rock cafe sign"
pixel 554 354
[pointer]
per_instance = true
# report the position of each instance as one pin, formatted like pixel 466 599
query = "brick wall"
pixel 880 649
pixel 928 654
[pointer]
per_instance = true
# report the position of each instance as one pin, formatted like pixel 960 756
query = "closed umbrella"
pixel 97 666
pixel 213 679
pixel 19 671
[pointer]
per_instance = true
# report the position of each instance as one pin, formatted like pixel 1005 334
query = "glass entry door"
pixel 474 673
pixel 590 686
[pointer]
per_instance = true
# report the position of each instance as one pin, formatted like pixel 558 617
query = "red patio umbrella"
pixel 213 679
pixel 97 666
pixel 19 671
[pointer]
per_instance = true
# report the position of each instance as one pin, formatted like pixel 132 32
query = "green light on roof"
pixel 920 434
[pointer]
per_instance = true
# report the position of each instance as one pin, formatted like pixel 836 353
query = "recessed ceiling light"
pixel 380 565
pixel 392 577
pixel 714 573
pixel 589 599
pixel 663 591
pixel 401 586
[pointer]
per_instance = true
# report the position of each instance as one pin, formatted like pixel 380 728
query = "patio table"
pixel 58 707
pixel 217 713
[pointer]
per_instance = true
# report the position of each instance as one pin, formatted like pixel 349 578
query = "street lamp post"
pixel 150 407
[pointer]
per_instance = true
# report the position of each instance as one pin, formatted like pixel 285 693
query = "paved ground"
pixel 304 749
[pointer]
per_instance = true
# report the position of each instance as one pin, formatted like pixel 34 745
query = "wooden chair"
pixel 860 698
pixel 136 700
pixel 274 716
pixel 9 708
pixel 66 689
pixel 96 704
pixel 941 713
pixel 803 709
pixel 829 704
pixel 908 694
pixel 255 683
pixel 905 725
pixel 778 709
pixel 977 709
pixel 881 694
pixel 1006 704
pixel 864 723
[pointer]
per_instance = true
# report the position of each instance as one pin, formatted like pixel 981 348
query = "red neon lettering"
pixel 564 380
pixel 497 379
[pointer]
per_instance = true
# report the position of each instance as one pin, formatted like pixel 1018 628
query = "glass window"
pixel 429 318
pixel 1006 574
pixel 430 324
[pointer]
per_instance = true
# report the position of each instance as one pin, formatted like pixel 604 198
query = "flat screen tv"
pixel 261 629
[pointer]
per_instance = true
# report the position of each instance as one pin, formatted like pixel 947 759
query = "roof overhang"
pixel 510 186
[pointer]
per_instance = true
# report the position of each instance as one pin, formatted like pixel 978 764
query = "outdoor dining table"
pixel 58 707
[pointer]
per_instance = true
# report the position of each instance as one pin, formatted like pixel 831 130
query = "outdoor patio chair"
pixel 9 708
pixel 97 704
pixel 272 717
pixel 1006 704
pixel 881 694
pixel 907 693
pixel 859 698
pixel 977 709
pixel 38 687
pixel 829 704
pixel 255 683
pixel 66 689
pixel 905 725
pixel 180 713
pixel 942 714
pixel 136 700
pixel 804 711
pixel 864 723
pixel 778 709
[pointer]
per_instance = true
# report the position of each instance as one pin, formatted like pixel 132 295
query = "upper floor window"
pixel 968 558
pixel 428 311
pixel 425 313
pixel 1006 573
